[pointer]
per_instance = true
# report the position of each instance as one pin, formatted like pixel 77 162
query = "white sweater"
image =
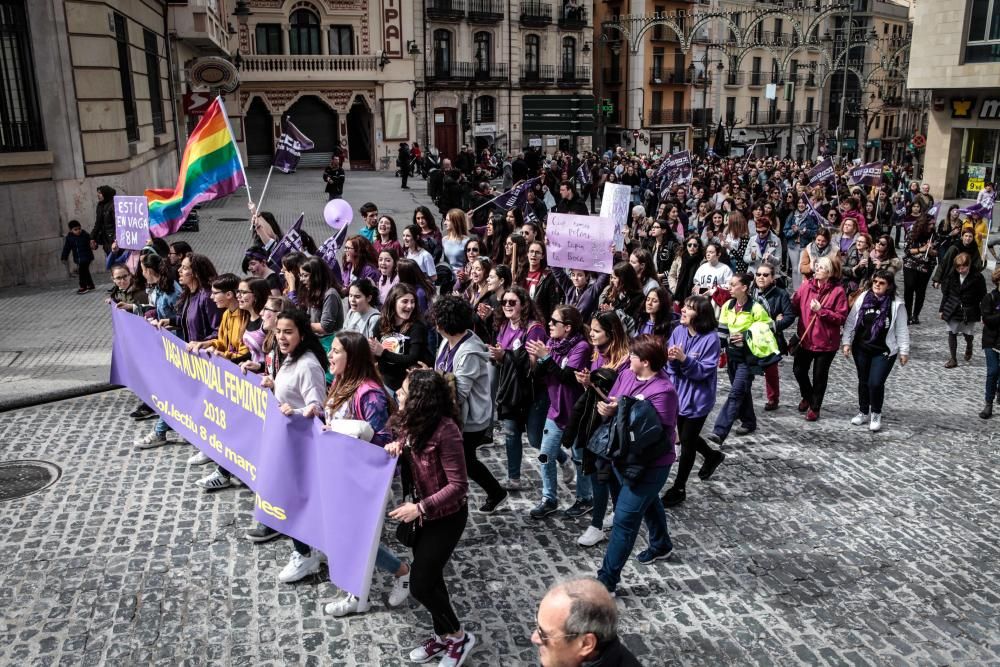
pixel 301 383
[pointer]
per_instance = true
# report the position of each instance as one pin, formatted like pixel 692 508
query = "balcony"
pixel 670 116
pixel 544 75
pixel 892 102
pixel 810 80
pixel 309 68
pixel 775 38
pixel 661 76
pixel 772 117
pixel 573 18
pixel 734 79
pixel 461 72
pixel 698 116
pixel 446 10
pixel 536 14
pixel 485 11
pixel 757 78
pixel 200 24
pixel 611 76
pixel 574 78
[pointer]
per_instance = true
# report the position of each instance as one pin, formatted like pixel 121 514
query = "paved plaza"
pixel 813 544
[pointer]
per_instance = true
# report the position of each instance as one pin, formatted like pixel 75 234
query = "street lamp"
pixel 706 83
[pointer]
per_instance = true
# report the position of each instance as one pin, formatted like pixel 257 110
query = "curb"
pixel 53 396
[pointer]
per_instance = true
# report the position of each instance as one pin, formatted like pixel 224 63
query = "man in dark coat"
pixel 519 169
pixel 334 176
pixel 569 201
pixel 103 233
pixel 403 162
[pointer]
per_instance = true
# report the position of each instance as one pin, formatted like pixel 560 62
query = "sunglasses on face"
pixel 511 302
pixel 692 245
pixel 763 275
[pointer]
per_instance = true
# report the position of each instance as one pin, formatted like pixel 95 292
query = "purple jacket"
pixel 198 318
pixel 369 272
pixel 560 382
pixel 695 378
pixel 659 391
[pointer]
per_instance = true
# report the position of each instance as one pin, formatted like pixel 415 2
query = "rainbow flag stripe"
pixel 210 168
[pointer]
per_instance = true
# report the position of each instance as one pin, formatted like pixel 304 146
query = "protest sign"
pixel 325 489
pixel 580 241
pixel 131 222
pixel 614 206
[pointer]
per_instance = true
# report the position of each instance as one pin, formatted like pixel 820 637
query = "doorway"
pixel 318 122
pixel 359 135
pixel 259 134
pixel 446 133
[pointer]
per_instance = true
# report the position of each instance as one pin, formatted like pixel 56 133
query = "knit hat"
pixel 254 252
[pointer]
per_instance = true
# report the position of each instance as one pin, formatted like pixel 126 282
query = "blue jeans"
pixel 387 561
pixel 161 427
pixel 601 494
pixel 873 369
pixel 739 403
pixel 512 430
pixel 634 504
pixel 992 374
pixel 552 452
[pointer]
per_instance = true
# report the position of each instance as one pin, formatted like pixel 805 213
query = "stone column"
pixel 284 39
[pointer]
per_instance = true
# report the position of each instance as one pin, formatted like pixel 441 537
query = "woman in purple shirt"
pixel 360 261
pixel 693 353
pixel 556 361
pixel 638 501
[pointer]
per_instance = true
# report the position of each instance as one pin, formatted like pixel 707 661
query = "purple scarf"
pixel 762 243
pixel 883 305
pixel 563 346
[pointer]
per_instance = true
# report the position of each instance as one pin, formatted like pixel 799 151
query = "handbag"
pixel 796 339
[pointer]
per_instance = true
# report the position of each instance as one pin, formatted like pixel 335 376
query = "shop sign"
pixel 483 129
pixel 990 109
pixel 392 31
pixel 537 142
pixel 974 184
pixel 961 107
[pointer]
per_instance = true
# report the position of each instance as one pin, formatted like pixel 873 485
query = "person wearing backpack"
pixel 636 491
pixel 737 316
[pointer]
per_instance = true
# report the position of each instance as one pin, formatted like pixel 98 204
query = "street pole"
pixel 791 118
pixel 704 108
pixel 843 89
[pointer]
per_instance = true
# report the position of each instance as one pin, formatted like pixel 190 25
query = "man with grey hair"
pixel 578 625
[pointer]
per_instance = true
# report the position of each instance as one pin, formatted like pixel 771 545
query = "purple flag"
pixel 820 220
pixel 325 489
pixel 517 196
pixel 290 242
pixel 978 209
pixel 291 144
pixel 868 175
pixel 583 174
pixel 822 172
pixel 933 210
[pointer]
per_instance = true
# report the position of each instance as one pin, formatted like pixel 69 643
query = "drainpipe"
pixel 510 75
pixel 423 77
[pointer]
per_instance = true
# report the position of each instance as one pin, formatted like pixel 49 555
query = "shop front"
pixel 979 160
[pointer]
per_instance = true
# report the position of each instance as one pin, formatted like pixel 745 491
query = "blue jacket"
pixel 79 245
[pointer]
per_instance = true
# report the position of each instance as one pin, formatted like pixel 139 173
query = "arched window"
pixel 483 53
pixel 486 109
pixel 569 57
pixel 532 49
pixel 442 53
pixel 303 37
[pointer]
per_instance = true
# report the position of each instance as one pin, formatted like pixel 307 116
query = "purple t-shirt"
pixel 660 392
pixel 563 395
pixel 514 339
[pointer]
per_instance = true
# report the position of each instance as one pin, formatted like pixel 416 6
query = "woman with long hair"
pixel 539 281
pixel 387 277
pixel 299 387
pixel 430 235
pixel 266 230
pixel 686 262
pixel 498 281
pixel 737 238
pixel 164 290
pixel 799 231
pixel 713 274
pixel 663 248
pixel 693 353
pixel 821 307
pixel 413 249
pixel 478 272
pixel 949 230
pixel 429 440
pixel 473 251
pixel 516 258
pixel 516 323
pixel 820 247
pixel 319 298
pixel 967 244
pixel 401 342
pixel 962 296
pixel 409 273
pixel 883 255
pixel 990 310
pixel 360 261
pixel 657 316
pixel 357 393
pixel 363 314
pixel 623 292
pixel 456 235
pixel 581 289
pixel 843 241
pixel 642 261
pixel 919 258
pixel 497 230
pixel 875 333
pixel 556 362
pixel 386 236
pixel 858 267
pixel 290 266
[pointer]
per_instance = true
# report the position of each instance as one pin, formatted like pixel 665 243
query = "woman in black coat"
pixel 990 310
pixel 961 297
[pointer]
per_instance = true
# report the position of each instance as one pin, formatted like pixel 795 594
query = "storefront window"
pixel 979 160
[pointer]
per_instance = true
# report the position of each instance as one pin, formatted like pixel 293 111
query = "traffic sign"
pixel 196 104
pixel 635 134
pixel 919 140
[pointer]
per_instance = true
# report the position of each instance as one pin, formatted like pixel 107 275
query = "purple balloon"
pixel 338 213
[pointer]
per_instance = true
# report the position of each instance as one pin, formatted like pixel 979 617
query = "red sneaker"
pixel 803 405
pixel 812 415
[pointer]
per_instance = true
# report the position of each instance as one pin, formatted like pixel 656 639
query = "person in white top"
pixel 413 247
pixel 712 272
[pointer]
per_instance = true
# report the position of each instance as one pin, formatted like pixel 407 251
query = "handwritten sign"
pixel 580 241
pixel 131 222
pixel 614 206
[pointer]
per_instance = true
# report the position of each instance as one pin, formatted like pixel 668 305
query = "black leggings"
pixel 812 391
pixel 436 540
pixel 478 472
pixel 689 435
pixel 914 291
pixel 86 282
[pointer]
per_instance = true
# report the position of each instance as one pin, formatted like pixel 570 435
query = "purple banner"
pixel 868 175
pixel 822 172
pixel 290 242
pixel 325 489
pixel 131 222
pixel 291 144
pixel 517 196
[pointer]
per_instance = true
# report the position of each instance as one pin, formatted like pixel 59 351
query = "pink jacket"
pixel 859 219
pixel 824 334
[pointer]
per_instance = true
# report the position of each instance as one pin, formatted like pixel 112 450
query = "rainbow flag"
pixel 210 168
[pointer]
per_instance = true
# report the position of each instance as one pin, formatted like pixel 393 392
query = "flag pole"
pixel 495 198
pixel 239 156
pixel 264 189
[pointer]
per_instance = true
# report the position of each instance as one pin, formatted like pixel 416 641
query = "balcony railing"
pixel 611 75
pixel 574 77
pixel 536 14
pixel 573 18
pixel 733 78
pixel 309 65
pixel 462 71
pixel 670 116
pixel 668 76
pixel 446 10
pixel 773 117
pixel 544 75
pixel 699 115
pixel 757 78
pixel 485 11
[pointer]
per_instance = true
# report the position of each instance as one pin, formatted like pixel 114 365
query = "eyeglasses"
pixel 553 320
pixel 243 292
pixel 511 302
pixel 270 310
pixel 879 282
pixel 692 245
pixel 545 637
pixel 763 275
pixel 534 252
pixel 348 247
pixel 120 278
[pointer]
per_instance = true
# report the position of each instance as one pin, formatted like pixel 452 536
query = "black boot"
pixel 987 411
pixel 968 348
pixel 952 351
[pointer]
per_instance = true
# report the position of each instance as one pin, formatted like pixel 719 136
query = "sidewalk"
pixel 56 344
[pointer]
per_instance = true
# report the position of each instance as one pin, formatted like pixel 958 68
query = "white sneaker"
pixel 859 419
pixel 568 470
pixel 215 481
pixel 400 590
pixel 198 459
pixel 299 567
pixel 458 651
pixel 150 440
pixel 430 649
pixel 348 605
pixel 876 423
pixel 609 522
pixel 591 536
